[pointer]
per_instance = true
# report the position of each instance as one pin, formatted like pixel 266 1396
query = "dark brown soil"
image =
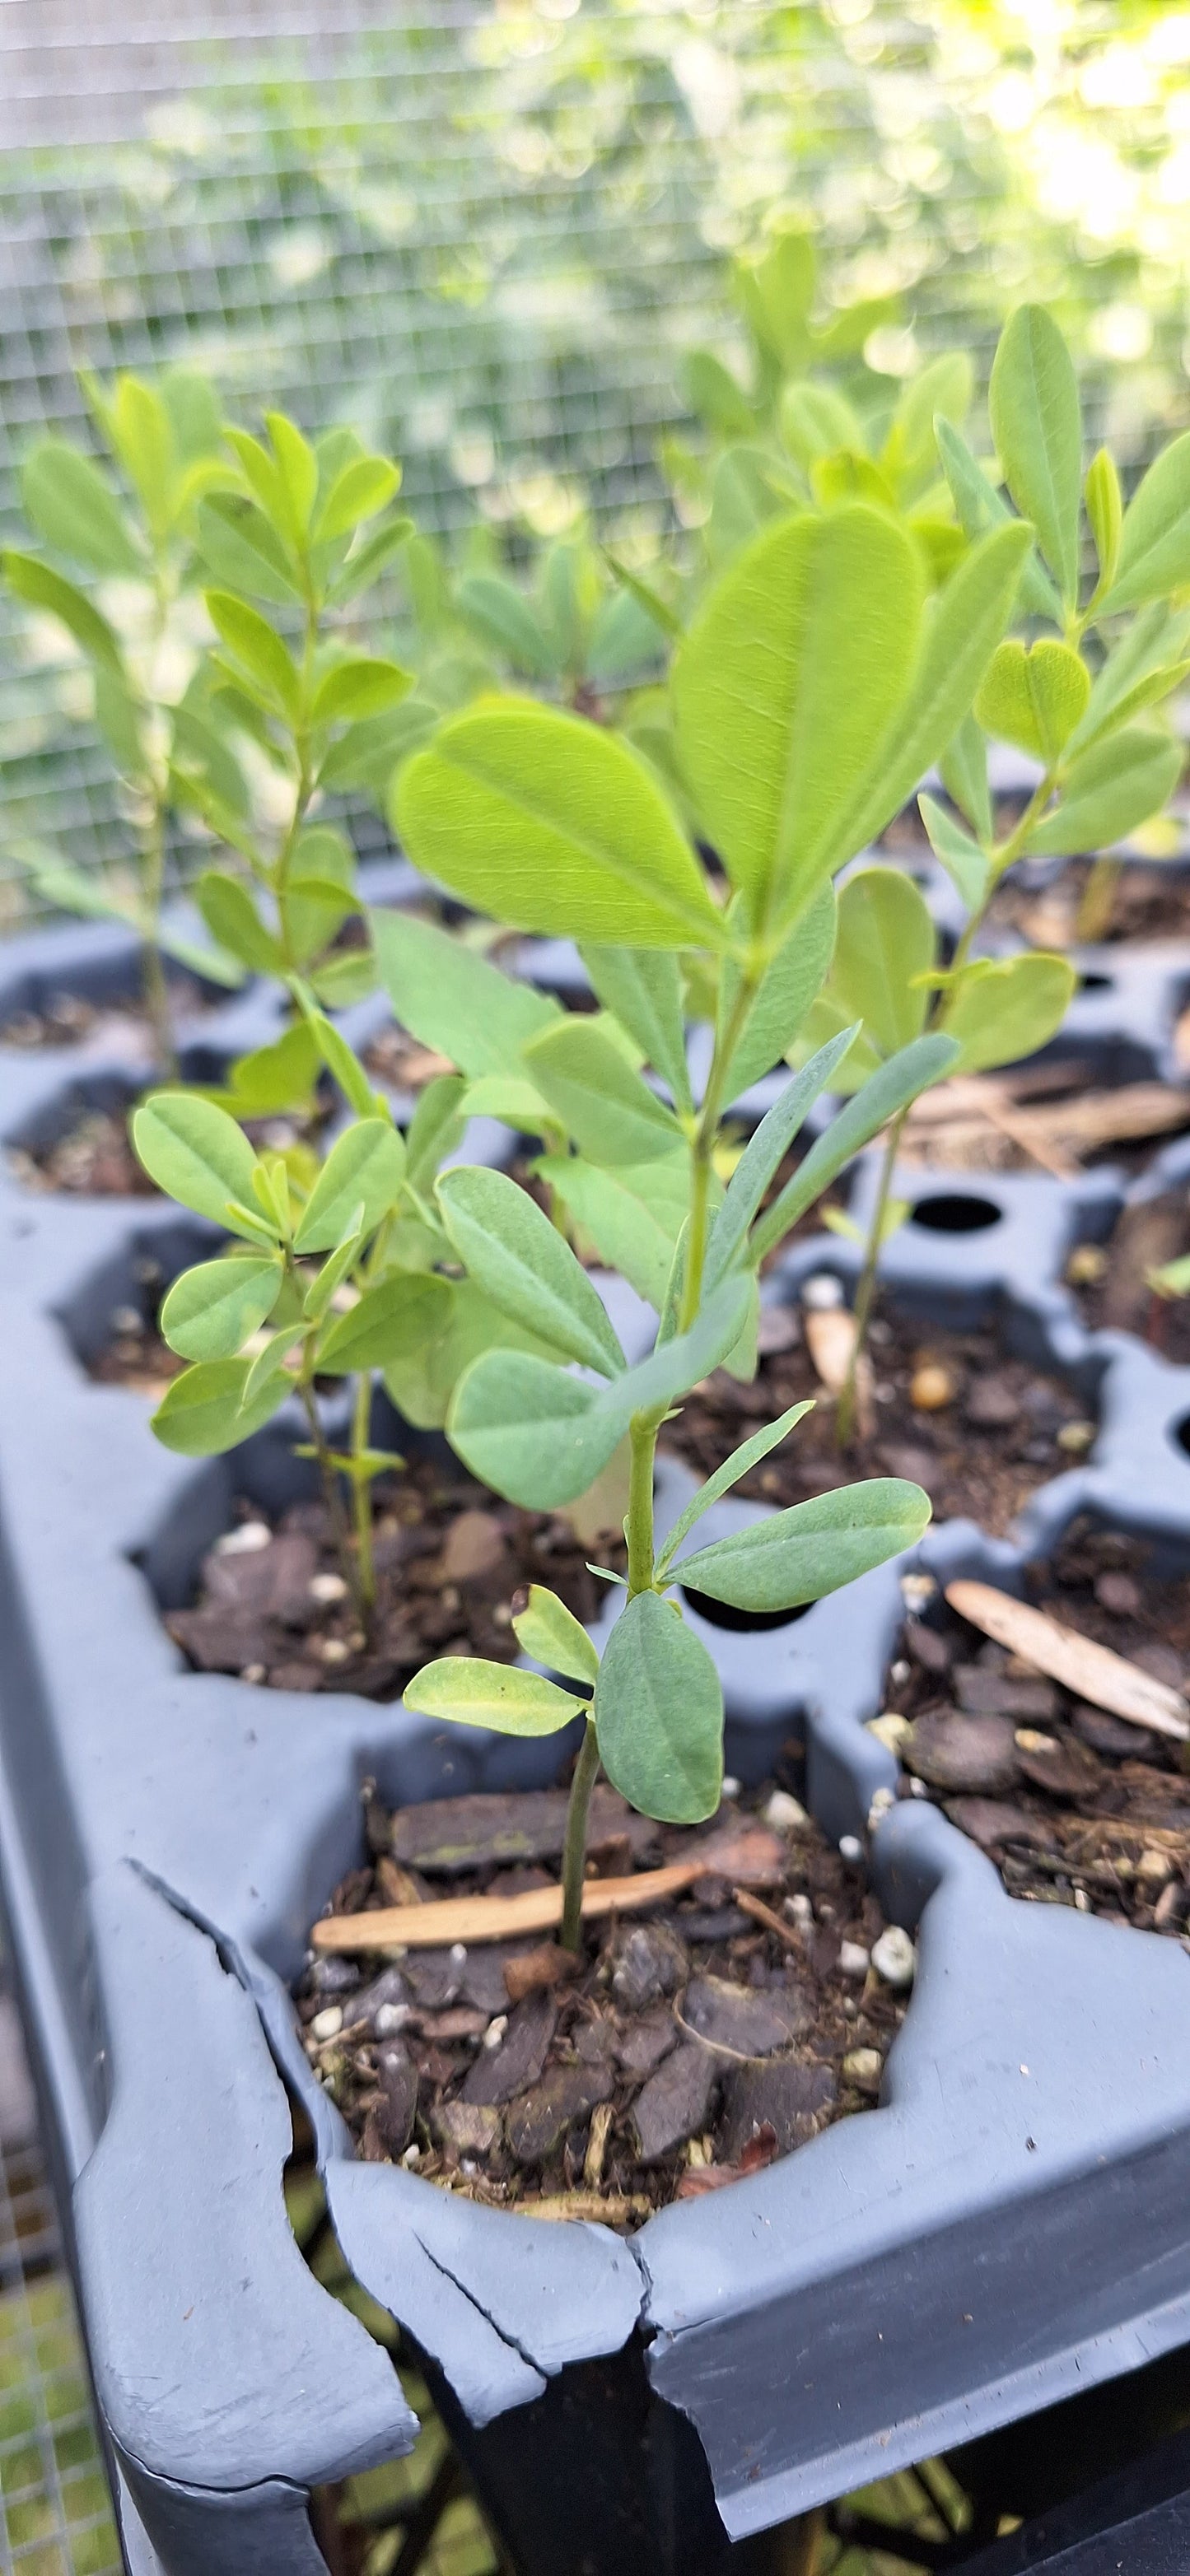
pixel 273 1604
pixel 979 1454
pixel 694 2044
pixel 399 1060
pixel 1111 1283
pixel 1151 902
pixel 95 1160
pixel 68 1021
pixel 1076 1807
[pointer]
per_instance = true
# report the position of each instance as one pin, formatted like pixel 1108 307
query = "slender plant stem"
pixel 329 1474
pixel 574 1849
pixel 361 1491
pixel 1099 894
pixel 638 1527
pixel 706 1137
pixel 845 1418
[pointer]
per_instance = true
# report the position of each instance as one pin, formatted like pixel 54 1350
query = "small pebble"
pixel 1075 1437
pixel 328 1587
pixel 243 1540
pixel 411 2157
pixel 854 1960
pixel 882 1800
pixel 890 1728
pixel 388 2019
pixel 495 2031
pixel 850 1847
pixel 931 1387
pixel 783 1812
pixel 800 1911
pixel 127 1319
pixel 862 2067
pixel 253 1673
pixel 894 1957
pixel 730 1788
pixel 1087 1263
pixel 333 1650
pixel 917 1589
pixel 458 1952
pixel 899 1672
pixel 328 2023
pixel 822 1291
pixel 1155 1866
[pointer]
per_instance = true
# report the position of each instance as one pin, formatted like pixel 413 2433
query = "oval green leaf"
pixel 553 1636
pixel 211 1310
pixel 390 1323
pixel 203 1412
pixel 463 1690
pixel 1037 427
pixel 659 1715
pixel 802 1554
pixel 195 1153
pixel 550 824
pixel 526 1267
pixel 366 1167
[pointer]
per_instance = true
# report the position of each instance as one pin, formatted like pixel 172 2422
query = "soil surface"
pixel 991 1430
pixel 696 2041
pixel 93 1160
pixel 1150 902
pixel 1051 1118
pixel 1075 1806
pixel 273 1604
pixel 126 1028
pixel 1111 1281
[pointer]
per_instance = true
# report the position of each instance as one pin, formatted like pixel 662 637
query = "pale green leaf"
pixel 524 1265
pixel 204 1411
pixel 886 938
pixel 1154 556
pixel 732 1472
pixel 463 1690
pixel 981 508
pixel 1003 1009
pixel 212 1310
pixel 659 1715
pixel 76 511
pixel 367 1163
pixel 551 1634
pixel 388 1324
pixel 357 689
pixel 788 986
pixel 602 1103
pixel 553 825
pixel 452 1000
pixel 962 857
pixel 796 664
pixel 1034 695
pixel 795 1556
pixel 764 1154
pixel 39 586
pixel 195 1153
pixel 633 1214
pixel 233 920
pixel 643 987
pixel 1037 427
pixel 883 1097
pixel 1108 791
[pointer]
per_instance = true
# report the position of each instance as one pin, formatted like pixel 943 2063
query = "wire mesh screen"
pixel 485 229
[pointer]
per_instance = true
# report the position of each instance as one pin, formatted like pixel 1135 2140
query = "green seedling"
pixel 289 552
pixel 125 523
pixel 330 1272
pixel 1085 702
pixel 822 675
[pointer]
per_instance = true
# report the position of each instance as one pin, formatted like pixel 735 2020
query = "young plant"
pixel 1084 703
pixel 328 1273
pixel 126 523
pixel 818 682
pixel 306 531
pixel 526 1425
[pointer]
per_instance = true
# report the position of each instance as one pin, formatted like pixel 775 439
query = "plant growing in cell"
pixel 126 525
pixel 1084 703
pixel 289 551
pixel 820 679
pixel 329 1272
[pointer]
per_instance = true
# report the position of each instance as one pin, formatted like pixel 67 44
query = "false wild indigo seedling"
pixel 1084 703
pixel 329 1274
pixel 819 681
pixel 128 524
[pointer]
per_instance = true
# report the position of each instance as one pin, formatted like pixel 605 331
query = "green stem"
pixel 706 1137
pixel 574 1849
pixel 638 1527
pixel 845 1417
pixel 361 1488
pixel 340 1531
pixel 1099 894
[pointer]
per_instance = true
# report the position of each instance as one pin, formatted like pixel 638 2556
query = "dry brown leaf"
pixel 1092 1672
pixel 748 1853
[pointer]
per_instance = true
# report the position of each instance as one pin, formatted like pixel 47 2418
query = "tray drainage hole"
pixel 956 1212
pixel 1096 984
pixel 723 1614
pixel 1181 1433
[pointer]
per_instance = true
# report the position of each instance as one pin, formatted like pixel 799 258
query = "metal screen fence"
pixel 485 230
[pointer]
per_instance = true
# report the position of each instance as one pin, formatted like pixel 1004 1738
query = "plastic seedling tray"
pixel 1010 2222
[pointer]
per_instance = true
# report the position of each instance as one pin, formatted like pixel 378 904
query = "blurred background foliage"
pixel 491 235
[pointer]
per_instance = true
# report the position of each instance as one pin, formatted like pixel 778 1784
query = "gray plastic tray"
pixel 1009 2223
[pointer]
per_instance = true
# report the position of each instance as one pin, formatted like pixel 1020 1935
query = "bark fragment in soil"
pixel 1150 902
pixel 979 1455
pixel 1075 1806
pixel 274 1606
pixel 668 2062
